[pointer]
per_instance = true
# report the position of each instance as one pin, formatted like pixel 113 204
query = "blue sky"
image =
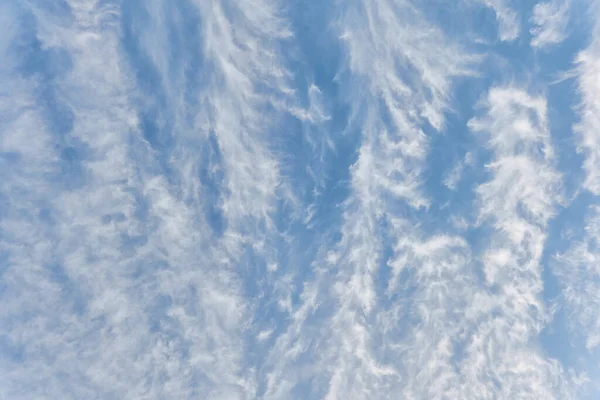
pixel 234 199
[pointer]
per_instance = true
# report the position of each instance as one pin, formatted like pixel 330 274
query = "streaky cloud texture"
pixel 550 20
pixel 337 200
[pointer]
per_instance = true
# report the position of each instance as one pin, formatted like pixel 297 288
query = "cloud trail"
pixel 133 289
pixel 234 199
pixel 550 20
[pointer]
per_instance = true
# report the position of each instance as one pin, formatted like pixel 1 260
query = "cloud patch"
pixel 550 23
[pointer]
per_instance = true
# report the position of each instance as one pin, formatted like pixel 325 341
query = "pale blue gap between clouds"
pixel 235 200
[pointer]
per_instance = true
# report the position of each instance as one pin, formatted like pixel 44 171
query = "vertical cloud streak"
pixel 234 199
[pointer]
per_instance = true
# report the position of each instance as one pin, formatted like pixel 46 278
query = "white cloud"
pixel 508 19
pixel 379 37
pixel 115 286
pixel 116 282
pixel 473 336
pixel 577 268
pixel 588 127
pixel 522 167
pixel 454 176
pixel 438 331
pixel 578 271
pixel 351 351
pixel 518 201
pixel 550 20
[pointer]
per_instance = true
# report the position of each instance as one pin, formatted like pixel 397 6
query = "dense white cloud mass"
pixel 234 199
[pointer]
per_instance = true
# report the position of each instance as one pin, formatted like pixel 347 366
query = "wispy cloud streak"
pixel 517 201
pixel 588 68
pixel 395 86
pixel 550 19
pixel 193 204
pixel 509 26
pixel 579 274
pixel 133 289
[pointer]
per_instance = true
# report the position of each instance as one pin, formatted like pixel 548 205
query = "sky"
pixel 317 199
